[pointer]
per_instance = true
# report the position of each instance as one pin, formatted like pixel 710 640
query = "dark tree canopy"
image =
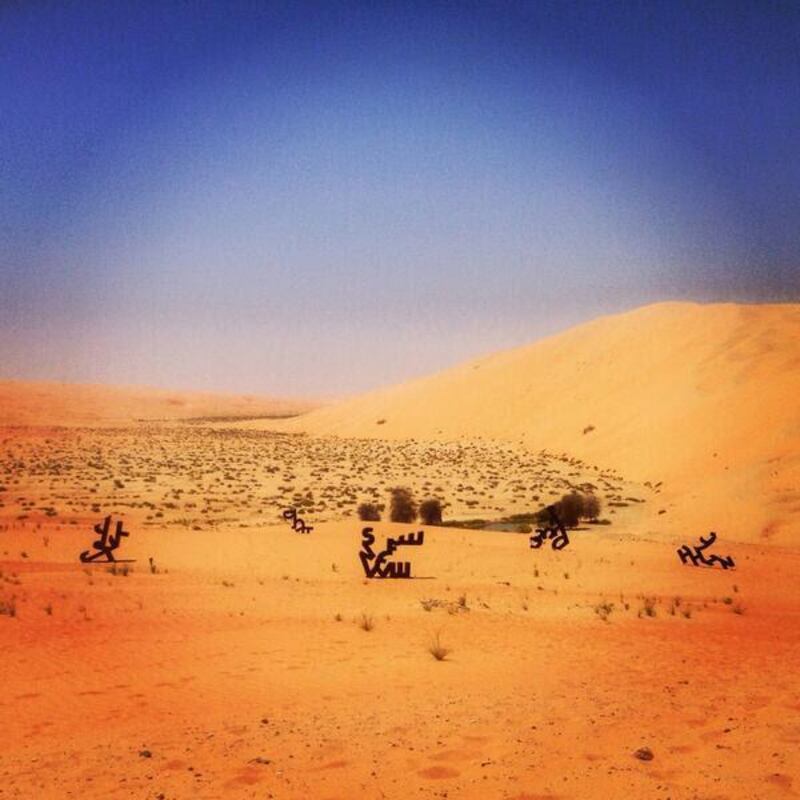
pixel 430 512
pixel 402 508
pixel 369 512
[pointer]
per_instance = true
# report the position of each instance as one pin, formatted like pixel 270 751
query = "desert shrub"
pixel 8 607
pixel 603 610
pixel 591 507
pixel 369 512
pixel 570 509
pixel 430 512
pixel 403 508
pixel 437 649
pixel 649 608
pixel 366 623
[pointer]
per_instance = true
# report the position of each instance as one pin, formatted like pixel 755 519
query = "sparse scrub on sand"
pixel 603 610
pixel 437 649
pixel 673 606
pixel 648 608
pixel 403 508
pixel 459 606
pixel 430 511
pixel 366 622
pixel 8 606
pixel 737 608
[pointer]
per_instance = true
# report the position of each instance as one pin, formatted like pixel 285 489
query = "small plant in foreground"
pixel 437 649
pixel 8 607
pixel 649 607
pixel 366 622
pixel 603 610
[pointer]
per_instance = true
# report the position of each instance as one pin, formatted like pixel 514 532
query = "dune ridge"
pixel 38 403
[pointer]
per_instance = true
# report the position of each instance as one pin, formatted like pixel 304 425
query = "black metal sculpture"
pixel 290 515
pixel 375 564
pixel 554 531
pixel 106 544
pixel 699 558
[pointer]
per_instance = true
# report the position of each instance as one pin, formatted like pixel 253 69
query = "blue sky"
pixel 320 198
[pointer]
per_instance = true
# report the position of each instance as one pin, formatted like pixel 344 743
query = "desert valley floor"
pixel 248 661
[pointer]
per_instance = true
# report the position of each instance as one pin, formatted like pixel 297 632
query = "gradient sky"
pixel 320 198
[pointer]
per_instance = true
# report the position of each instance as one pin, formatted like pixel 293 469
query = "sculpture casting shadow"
pixel 699 558
pixel 375 564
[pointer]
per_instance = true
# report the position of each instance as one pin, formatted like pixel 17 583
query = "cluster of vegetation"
pixel 403 508
pixel 572 508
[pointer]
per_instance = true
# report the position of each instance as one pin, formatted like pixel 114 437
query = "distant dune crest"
pixel 52 403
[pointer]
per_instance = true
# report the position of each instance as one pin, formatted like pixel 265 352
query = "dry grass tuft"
pixel 437 649
pixel 366 622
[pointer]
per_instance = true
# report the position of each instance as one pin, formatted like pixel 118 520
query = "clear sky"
pixel 320 198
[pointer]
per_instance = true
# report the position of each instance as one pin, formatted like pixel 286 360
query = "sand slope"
pixel 700 397
pixel 52 403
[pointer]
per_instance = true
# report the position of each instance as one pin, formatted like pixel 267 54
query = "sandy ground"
pixel 242 667
pixel 66 404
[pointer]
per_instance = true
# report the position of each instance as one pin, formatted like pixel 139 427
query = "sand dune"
pixel 52 403
pixel 702 398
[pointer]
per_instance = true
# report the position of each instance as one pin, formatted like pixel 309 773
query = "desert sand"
pixel 235 658
pixel 63 404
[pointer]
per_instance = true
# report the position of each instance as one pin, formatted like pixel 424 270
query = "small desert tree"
pixel 369 512
pixel 570 509
pixel 403 508
pixel 430 512
pixel 591 507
